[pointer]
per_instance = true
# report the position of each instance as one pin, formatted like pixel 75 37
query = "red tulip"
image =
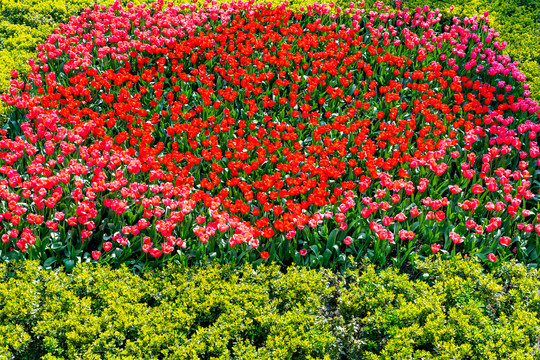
pixel 505 240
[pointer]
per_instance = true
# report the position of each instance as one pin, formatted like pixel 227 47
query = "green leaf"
pixel 244 253
pixel 326 256
pixel 12 255
pixel 533 254
pixel 47 264
pixel 284 249
pixel 331 239
pixel 58 246
pixel 69 264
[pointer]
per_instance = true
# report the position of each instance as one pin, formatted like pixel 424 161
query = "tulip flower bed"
pixel 246 132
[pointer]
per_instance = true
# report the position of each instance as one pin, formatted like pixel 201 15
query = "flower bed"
pixel 245 132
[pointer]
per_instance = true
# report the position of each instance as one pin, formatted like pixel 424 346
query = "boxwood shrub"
pixel 453 310
pixel 196 313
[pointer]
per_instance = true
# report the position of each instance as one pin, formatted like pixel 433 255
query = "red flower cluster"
pixel 143 122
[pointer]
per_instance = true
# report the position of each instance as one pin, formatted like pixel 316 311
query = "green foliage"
pixel 200 313
pixel 453 311
pixel 456 311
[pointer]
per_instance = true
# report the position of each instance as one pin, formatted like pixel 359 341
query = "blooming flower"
pixel 505 241
pixel 254 178
pixel 456 238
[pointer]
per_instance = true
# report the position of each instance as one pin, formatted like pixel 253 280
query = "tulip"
pixel 505 241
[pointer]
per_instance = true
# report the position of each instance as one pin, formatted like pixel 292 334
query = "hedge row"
pixel 455 310
pixel 26 23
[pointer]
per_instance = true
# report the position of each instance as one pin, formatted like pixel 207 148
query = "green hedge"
pixel 454 311
pixel 211 313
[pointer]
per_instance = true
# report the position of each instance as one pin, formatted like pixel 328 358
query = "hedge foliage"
pixel 454 311
pixel 457 312
pixel 26 23
pixel 207 313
